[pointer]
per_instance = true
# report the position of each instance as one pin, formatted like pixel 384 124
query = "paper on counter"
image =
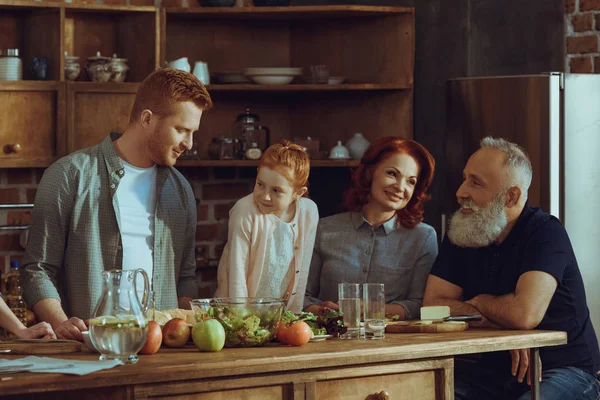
pixel 55 365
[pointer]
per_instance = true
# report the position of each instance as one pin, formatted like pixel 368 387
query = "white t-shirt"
pixel 136 197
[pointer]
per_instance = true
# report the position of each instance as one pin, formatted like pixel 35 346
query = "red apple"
pixel 176 333
pixel 154 339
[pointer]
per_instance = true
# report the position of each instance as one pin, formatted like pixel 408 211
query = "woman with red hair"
pixel 382 238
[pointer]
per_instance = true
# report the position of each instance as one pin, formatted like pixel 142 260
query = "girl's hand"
pixel 41 330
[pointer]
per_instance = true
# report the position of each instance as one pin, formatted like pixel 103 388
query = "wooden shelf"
pixel 29 86
pixel 287 13
pixel 24 4
pixel 305 87
pixel 29 162
pixel 109 87
pixel 251 163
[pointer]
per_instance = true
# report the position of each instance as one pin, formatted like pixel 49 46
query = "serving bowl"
pixel 273 75
pixel 248 321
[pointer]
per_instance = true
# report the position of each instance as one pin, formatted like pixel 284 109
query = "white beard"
pixel 480 228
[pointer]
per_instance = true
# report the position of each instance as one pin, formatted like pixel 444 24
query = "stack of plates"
pixel 11 69
pixel 272 76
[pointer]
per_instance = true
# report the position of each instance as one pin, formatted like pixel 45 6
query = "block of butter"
pixel 435 312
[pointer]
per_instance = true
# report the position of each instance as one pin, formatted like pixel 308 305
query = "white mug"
pixel 201 72
pixel 181 63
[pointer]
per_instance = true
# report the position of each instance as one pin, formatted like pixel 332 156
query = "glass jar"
pixel 214 149
pixel 253 152
pixel 227 149
pixel 11 66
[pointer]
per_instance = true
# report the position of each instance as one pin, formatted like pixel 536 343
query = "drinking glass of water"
pixel 349 300
pixel 374 304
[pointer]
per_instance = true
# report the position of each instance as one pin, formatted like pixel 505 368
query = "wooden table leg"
pixel 534 366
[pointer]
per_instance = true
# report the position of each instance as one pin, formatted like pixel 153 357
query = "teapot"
pixel 247 127
pixel 119 327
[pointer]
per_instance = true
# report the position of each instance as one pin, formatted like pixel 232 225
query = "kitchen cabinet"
pixel 406 366
pixel 372 46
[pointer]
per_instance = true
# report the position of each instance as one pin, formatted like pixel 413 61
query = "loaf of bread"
pixel 162 317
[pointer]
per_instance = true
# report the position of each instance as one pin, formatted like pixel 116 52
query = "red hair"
pixel 360 187
pixel 165 87
pixel 285 156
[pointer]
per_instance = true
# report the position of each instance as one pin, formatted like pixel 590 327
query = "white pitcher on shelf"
pixel 181 63
pixel 357 145
pixel 201 72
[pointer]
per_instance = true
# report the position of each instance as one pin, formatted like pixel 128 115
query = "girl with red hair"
pixel 272 231
pixel 382 238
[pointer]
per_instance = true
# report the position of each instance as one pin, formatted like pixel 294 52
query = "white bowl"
pixel 273 71
pixel 336 80
pixel 272 79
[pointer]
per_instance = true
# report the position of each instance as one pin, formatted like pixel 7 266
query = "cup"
pixel 39 68
pixel 319 73
pixel 374 310
pixel 181 64
pixel 349 301
pixel 201 72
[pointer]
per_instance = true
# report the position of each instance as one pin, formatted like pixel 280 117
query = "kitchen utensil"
pixel 11 66
pixel 272 76
pixel 248 321
pixel 357 145
pixel 349 297
pixel 72 67
pixel 426 327
pixel 98 68
pixel 473 317
pixel 40 346
pixel 339 152
pixel 119 68
pixel 374 310
pixel 201 72
pixel 336 80
pixel 247 128
pixel 319 73
pixel 181 63
pixel 320 338
pixel 118 327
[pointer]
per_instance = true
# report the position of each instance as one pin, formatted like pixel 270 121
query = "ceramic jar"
pixel 357 145
pixel 11 66
pixel 98 68
pixel 119 68
pixel 72 67
pixel 339 152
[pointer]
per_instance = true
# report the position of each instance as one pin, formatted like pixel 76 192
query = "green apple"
pixel 208 335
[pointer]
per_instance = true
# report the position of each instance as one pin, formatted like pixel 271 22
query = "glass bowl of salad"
pixel 248 321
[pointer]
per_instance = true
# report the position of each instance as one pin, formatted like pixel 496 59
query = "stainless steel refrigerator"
pixel 556 118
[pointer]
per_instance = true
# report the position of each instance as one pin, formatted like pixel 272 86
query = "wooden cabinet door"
pixel 95 110
pixel 31 123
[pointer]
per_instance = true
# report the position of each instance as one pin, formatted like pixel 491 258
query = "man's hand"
pixel 71 329
pixel 41 330
pixel 520 365
pixel 331 305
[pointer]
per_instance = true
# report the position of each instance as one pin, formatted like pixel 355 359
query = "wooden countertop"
pixel 189 363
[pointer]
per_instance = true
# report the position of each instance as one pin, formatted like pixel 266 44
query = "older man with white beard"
pixel 514 265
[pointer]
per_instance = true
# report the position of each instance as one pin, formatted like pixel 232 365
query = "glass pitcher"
pixel 118 327
pixel 247 128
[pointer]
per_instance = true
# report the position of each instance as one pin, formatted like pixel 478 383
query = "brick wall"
pixel 217 189
pixel 582 19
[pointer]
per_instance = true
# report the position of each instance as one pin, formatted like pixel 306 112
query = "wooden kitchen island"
pixel 406 366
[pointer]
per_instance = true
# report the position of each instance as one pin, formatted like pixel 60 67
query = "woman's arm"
pixel 10 322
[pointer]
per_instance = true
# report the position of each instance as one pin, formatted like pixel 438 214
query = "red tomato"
pixel 297 334
pixel 280 333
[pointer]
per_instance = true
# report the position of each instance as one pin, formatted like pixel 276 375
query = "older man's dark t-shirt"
pixel 538 242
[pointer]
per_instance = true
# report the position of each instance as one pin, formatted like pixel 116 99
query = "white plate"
pixel 273 71
pixel 320 338
pixel 272 79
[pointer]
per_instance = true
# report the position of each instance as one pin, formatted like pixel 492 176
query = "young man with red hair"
pixel 119 205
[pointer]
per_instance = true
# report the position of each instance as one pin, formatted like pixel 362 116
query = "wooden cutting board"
pixel 420 327
pixel 40 346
